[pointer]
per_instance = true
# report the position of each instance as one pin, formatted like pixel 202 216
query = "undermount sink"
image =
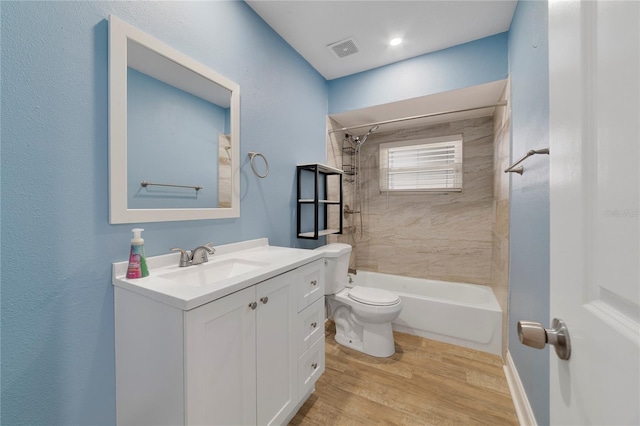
pixel 211 272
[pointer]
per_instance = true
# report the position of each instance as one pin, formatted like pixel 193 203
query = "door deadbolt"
pixel 535 335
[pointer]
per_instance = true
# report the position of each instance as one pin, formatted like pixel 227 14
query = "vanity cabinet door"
pixel 220 361
pixel 276 349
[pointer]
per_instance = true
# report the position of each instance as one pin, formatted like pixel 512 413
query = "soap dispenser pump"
pixel 137 258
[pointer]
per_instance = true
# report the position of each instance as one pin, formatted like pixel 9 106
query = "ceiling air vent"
pixel 344 48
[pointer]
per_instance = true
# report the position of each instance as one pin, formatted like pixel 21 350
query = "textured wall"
pixel 57 244
pixel 465 65
pixel 429 235
pixel 500 230
pixel 529 215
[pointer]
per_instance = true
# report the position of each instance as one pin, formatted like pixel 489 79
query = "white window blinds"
pixel 433 164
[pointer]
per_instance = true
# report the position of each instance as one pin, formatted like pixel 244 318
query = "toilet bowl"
pixel 362 315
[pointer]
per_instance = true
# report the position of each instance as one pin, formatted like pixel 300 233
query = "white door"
pixel 276 349
pixel 594 65
pixel 220 361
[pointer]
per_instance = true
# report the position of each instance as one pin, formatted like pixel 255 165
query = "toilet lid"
pixel 373 296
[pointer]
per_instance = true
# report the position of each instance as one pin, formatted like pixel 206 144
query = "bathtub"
pixel 461 314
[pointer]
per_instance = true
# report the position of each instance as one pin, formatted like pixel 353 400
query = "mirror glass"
pixel 174 133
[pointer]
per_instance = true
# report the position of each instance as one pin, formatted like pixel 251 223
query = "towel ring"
pixel 252 156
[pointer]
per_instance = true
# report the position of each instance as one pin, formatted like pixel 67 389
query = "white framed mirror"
pixel 174 132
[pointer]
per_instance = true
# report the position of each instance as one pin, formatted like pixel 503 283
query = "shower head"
pixel 362 139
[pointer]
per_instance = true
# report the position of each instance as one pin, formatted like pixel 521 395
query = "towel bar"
pixel 520 170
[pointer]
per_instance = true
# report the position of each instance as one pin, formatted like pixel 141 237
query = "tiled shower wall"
pixel 500 249
pixel 224 171
pixel 443 236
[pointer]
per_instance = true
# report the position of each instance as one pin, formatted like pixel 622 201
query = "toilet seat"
pixel 373 296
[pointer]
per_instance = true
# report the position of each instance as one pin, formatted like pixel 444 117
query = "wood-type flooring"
pixel 425 383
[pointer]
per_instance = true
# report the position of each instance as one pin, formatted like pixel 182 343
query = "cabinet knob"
pixel 253 305
pixel 314 324
pixel 264 299
pixel 314 282
pixel 314 365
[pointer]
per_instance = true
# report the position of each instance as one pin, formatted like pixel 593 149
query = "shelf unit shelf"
pixel 310 201
pixel 321 233
pixel 320 201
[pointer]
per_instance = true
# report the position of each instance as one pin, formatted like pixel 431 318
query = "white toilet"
pixel 362 315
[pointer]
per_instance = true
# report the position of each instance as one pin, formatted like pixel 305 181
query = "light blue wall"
pixel 529 216
pixel 170 131
pixel 478 62
pixel 57 245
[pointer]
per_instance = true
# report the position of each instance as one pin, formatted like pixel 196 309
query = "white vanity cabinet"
pixel 220 361
pixel 250 357
pixel 310 326
pixel 231 342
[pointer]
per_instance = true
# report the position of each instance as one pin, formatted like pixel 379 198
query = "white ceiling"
pixel 425 26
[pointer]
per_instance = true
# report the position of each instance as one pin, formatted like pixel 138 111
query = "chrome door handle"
pixel 264 299
pixel 535 335
pixel 253 305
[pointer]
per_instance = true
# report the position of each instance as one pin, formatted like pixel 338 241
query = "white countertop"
pixel 186 296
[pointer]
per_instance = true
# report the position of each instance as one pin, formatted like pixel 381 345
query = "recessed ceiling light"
pixel 395 41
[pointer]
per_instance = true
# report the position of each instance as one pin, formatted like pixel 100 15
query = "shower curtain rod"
pixel 414 117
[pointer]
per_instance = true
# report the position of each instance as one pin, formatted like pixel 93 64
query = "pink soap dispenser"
pixel 137 259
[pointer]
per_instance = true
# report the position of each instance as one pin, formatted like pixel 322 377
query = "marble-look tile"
pixel 500 231
pixel 429 131
pixel 502 218
pixel 460 217
pixel 473 269
pixel 224 172
pixel 481 147
pixel 473 128
pixel 427 235
pixel 460 237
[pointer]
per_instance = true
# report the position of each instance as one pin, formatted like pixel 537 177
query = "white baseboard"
pixel 520 400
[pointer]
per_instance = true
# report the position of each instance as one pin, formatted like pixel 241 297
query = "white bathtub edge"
pixel 518 395
pixel 493 347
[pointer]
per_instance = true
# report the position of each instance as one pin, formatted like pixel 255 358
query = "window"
pixel 433 164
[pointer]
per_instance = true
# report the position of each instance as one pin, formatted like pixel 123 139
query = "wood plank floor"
pixel 424 383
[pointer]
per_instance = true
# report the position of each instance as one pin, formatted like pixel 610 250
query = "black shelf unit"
pixel 319 201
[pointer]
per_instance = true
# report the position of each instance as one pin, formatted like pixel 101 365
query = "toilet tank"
pixel 336 273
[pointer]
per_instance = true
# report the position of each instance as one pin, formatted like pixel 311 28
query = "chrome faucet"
pixel 196 256
pixel 185 257
pixel 201 254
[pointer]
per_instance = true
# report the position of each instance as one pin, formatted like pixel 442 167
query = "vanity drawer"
pixel 310 283
pixel 310 325
pixel 310 367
